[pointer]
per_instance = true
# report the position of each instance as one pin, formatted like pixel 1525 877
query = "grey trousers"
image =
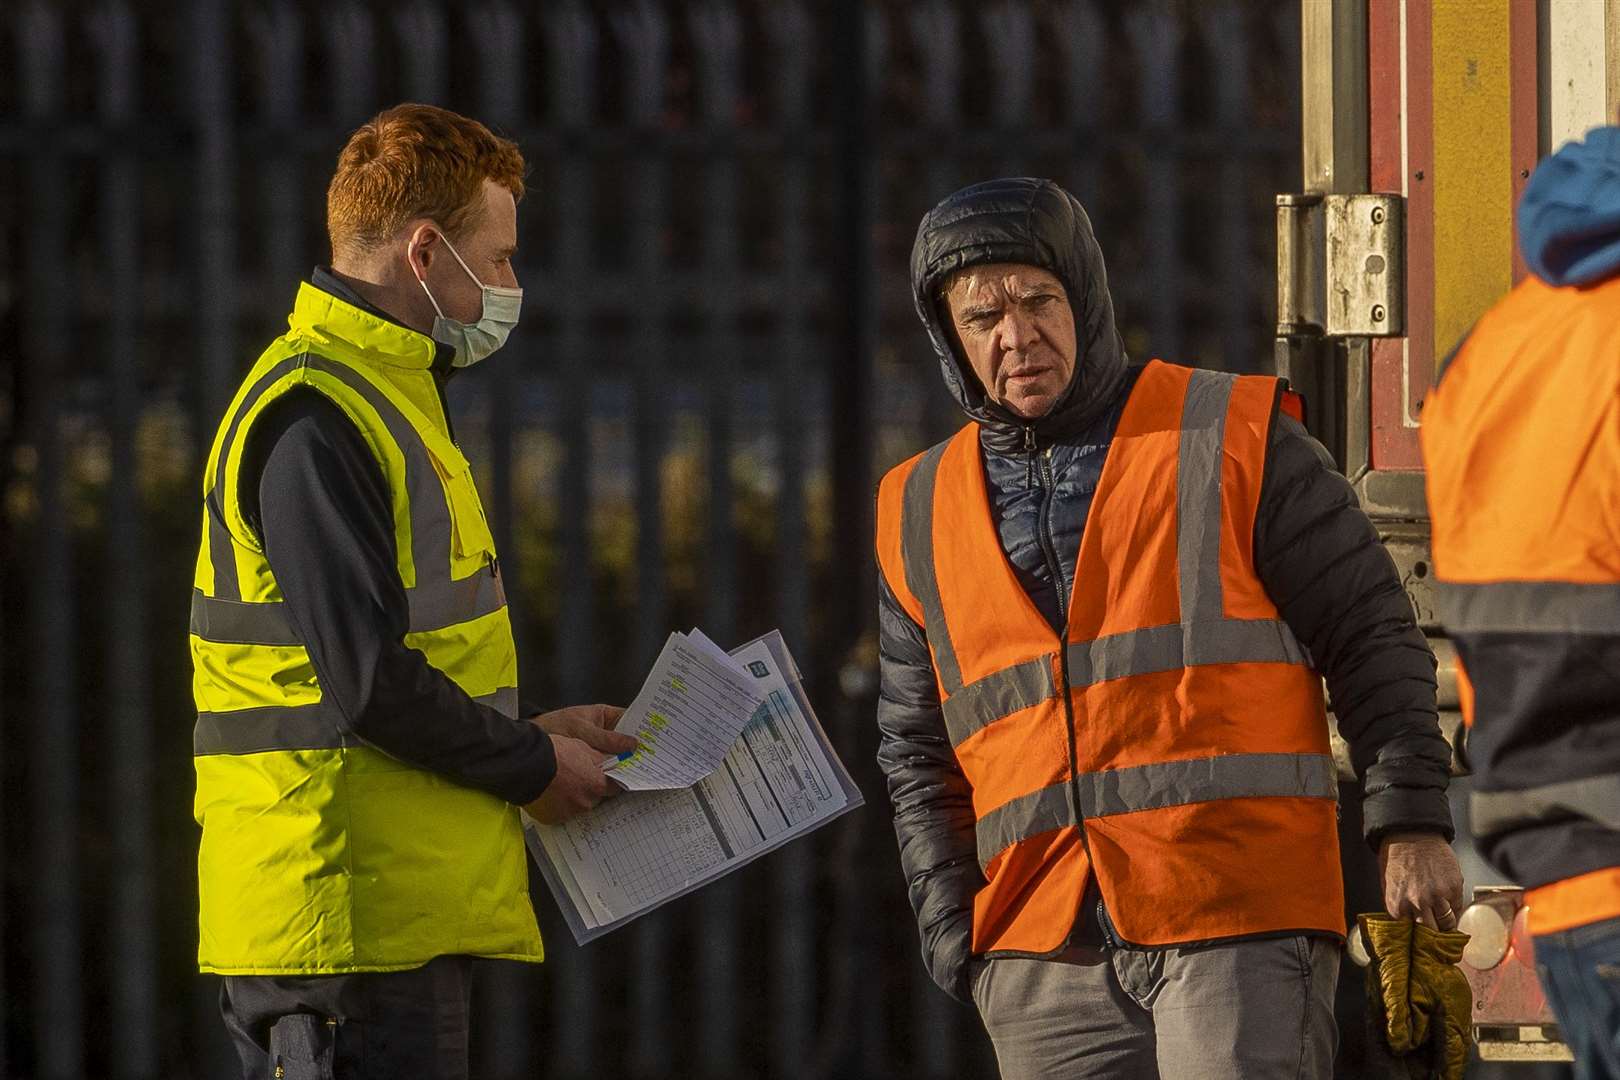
pixel 1258 1009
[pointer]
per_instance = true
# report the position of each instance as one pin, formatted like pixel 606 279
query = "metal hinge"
pixel 1341 270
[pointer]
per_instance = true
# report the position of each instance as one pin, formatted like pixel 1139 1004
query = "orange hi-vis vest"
pixel 1521 444
pixel 1174 740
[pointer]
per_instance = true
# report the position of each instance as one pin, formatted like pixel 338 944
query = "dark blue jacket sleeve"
pixel 931 798
pixel 1336 586
pixel 314 494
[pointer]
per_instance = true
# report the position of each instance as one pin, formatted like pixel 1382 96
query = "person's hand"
pixel 581 736
pixel 590 724
pixel 1422 880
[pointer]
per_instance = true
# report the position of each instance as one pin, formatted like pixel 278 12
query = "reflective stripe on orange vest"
pixel 1170 633
pixel 1594 798
pixel 1520 607
pixel 1574 902
pixel 1153 787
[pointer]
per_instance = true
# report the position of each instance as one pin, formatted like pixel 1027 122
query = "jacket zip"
pixel 444 408
pixel 1043 526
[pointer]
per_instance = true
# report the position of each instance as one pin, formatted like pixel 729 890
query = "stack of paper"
pixel 776 781
pixel 694 704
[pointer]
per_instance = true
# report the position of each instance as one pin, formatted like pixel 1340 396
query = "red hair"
pixel 415 161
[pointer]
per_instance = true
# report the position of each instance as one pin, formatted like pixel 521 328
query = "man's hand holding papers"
pixel 580 735
pixel 694 704
pixel 777 779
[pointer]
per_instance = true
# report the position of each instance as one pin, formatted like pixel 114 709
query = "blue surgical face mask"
pixel 475 341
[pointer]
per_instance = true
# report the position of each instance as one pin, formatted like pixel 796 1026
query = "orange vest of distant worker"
pixel 1173 741
pixel 1521 443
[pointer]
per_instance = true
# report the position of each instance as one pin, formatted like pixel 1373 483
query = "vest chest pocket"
pixel 471 543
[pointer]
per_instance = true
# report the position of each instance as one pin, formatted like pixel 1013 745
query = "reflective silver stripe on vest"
pixel 917 557
pixel 237 622
pixel 1176 646
pixel 1198 496
pixel 1154 787
pixel 1045 810
pixel 430 509
pixel 1514 607
pixel 293 727
pixel 432 607
pixel 221 548
pixel 1225 776
pixel 997 695
pixel 1592 798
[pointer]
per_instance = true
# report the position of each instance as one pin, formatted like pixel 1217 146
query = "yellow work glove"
pixel 1416 990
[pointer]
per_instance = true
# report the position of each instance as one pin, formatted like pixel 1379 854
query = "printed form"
pixel 694 704
pixel 779 780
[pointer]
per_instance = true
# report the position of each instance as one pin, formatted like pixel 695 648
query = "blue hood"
pixel 1569 217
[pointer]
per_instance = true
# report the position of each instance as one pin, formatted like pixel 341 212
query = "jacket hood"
pixel 1569 217
pixel 1035 222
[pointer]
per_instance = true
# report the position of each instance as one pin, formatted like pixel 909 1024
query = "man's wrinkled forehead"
pixel 1013 278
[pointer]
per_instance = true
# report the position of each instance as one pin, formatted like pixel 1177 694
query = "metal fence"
pixel 717 360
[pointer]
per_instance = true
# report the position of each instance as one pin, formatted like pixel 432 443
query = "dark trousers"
pixel 364 1026
pixel 1580 970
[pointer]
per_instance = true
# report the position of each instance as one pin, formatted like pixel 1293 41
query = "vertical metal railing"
pixel 58 941
pixel 1009 28
pixel 716 30
pixel 936 31
pixel 857 55
pixel 1223 31
pixel 348 33
pixel 10 691
pixel 215 176
pixel 1077 30
pixel 789 32
pixel 643 32
pixel 1156 39
pixel 571 39
pixel 132 913
pixel 277 35
pixel 213 295
pixel 506 989
pixel 422 39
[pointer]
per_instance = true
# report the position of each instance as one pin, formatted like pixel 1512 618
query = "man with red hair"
pixel 360 750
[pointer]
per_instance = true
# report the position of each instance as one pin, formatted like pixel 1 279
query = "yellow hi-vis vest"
pixel 320 854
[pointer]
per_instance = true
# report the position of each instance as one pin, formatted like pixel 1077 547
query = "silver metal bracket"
pixel 1341 269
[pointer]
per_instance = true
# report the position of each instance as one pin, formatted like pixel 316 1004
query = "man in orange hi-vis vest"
pixel 1521 441
pixel 1107 607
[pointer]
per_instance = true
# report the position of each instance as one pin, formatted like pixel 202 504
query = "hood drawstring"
pixel 1029 448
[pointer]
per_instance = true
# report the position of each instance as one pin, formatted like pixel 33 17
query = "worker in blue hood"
pixel 1521 443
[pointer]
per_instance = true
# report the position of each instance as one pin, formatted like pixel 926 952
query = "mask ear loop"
pixel 478 281
pixel 422 280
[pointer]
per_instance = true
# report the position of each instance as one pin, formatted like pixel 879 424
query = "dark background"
pixel 718 358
